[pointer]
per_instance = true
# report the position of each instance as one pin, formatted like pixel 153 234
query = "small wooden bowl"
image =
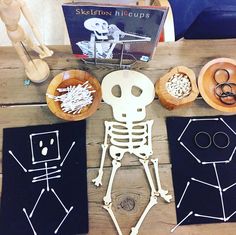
pixel 207 83
pixel 166 99
pixel 73 78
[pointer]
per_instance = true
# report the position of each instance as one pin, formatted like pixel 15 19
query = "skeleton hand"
pixel 98 181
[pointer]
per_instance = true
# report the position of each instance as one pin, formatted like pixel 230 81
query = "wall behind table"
pixel 49 19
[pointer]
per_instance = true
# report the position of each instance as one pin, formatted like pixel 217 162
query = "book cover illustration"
pixel 103 31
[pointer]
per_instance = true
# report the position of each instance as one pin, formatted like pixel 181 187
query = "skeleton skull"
pixel 98 26
pixel 128 106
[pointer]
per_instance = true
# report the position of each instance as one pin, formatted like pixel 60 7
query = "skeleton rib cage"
pixel 130 138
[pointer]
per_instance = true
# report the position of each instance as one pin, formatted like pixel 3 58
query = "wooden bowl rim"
pixel 58 79
pixel 192 77
pixel 200 82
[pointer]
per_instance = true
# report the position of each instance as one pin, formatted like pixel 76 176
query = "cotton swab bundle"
pixel 74 98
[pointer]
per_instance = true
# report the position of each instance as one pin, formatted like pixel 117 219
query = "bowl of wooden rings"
pixel 73 95
pixel 177 88
pixel 217 84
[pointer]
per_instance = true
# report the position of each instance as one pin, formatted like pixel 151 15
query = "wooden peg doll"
pixel 36 70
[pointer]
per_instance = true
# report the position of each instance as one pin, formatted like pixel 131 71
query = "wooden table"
pixel 25 105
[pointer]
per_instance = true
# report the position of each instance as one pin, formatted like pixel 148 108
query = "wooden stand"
pixel 169 101
pixel 37 70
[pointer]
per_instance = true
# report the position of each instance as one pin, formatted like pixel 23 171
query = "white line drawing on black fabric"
pixel 219 187
pixel 45 149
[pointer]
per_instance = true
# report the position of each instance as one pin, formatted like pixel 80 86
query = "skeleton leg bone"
pixel 148 174
pixel 152 202
pixel 115 166
pixel 153 198
pixel 108 208
pixel 162 192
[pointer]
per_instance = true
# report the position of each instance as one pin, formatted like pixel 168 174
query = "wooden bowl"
pixel 207 83
pixel 166 99
pixel 73 78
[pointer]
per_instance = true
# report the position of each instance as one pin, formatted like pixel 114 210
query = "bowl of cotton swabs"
pixel 73 95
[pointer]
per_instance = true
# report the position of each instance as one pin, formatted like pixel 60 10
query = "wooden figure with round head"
pixel 10 12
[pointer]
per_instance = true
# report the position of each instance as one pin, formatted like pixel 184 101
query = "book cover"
pixel 104 31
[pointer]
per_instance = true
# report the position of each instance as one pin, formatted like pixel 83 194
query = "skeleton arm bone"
pixel 11 153
pixel 98 180
pixel 27 14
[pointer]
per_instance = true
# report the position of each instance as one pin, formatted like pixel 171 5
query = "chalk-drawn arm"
pixel 11 153
pixel 67 154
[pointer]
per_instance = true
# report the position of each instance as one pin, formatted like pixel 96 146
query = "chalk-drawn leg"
pixel 66 210
pixel 29 221
pixel 32 212
pixel 188 184
pixel 225 189
pixel 231 216
pixel 186 217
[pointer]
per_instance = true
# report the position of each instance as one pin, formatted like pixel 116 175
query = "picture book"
pixel 106 31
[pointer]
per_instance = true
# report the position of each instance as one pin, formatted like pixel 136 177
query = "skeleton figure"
pixel 45 150
pixel 205 143
pixel 129 111
pixel 105 37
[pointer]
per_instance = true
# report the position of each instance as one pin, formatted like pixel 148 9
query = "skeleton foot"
pixel 152 202
pixel 108 208
pixel 162 192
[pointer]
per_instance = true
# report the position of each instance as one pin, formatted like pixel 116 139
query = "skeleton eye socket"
pixel 104 24
pixel 136 91
pixel 51 141
pixel 97 24
pixel 116 91
pixel 40 143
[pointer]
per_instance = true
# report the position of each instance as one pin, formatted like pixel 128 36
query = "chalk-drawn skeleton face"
pixel 136 91
pixel 98 26
pixel 44 147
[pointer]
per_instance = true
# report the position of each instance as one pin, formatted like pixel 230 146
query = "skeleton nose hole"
pixel 123 115
pixel 44 151
pixel 116 91
pixel 136 91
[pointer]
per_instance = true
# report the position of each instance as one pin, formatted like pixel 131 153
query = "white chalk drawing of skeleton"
pixel 104 38
pixel 45 149
pixel 212 163
pixel 129 134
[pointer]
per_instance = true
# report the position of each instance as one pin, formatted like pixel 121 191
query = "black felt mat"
pixel 57 207
pixel 200 202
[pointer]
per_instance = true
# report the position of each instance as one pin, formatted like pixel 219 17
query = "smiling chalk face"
pixel 44 147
